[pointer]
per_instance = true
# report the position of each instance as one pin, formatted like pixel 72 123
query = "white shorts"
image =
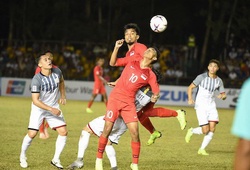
pixel 206 115
pixel 119 128
pixel 37 115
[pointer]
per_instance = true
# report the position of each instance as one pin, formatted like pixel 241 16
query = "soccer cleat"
pixel 23 162
pixel 76 164
pixel 56 164
pixel 134 166
pixel 98 164
pixel 202 152
pixel 188 135
pixel 88 110
pixel 153 137
pixel 114 168
pixel 181 117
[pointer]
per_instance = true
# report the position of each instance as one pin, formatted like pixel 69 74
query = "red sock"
pixel 46 124
pixel 41 128
pixel 145 121
pixel 160 112
pixel 136 146
pixel 90 104
pixel 101 146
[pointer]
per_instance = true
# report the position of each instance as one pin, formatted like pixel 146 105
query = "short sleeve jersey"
pixel 241 125
pixel 47 86
pixel 98 71
pixel 133 78
pixel 207 86
pixel 137 49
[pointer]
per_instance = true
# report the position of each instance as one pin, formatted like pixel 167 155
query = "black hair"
pixel 158 75
pixel 215 61
pixel 132 26
pixel 38 57
pixel 157 55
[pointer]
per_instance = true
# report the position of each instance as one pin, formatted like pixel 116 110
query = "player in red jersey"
pixel 99 84
pixel 135 75
pixel 44 126
pixel 131 36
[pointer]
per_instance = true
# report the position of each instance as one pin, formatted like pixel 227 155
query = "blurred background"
pixel 80 31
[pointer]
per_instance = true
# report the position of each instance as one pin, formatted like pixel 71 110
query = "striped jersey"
pixel 47 86
pixel 207 87
pixel 142 97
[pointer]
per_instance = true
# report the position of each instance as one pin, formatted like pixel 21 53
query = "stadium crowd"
pixel 78 60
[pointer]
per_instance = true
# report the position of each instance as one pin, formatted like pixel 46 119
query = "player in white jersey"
pixel 142 99
pixel 47 88
pixel 205 105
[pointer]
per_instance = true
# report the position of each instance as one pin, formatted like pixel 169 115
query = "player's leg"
pixel 60 144
pixel 36 119
pixel 203 125
pixel 27 140
pixel 135 144
pixel 213 120
pixel 88 110
pixel 103 140
pixel 82 146
pixel 104 95
pixel 41 131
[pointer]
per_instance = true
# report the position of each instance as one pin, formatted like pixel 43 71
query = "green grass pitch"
pixel 170 152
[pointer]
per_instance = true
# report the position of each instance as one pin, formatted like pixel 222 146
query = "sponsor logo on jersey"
pixel 131 53
pixel 15 87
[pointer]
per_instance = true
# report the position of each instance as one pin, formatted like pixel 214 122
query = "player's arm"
pixel 189 92
pixel 242 155
pixel 62 99
pixel 113 57
pixel 112 84
pixel 38 103
pixel 155 88
pixel 222 96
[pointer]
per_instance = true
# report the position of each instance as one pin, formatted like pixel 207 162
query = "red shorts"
pixel 126 109
pixel 99 89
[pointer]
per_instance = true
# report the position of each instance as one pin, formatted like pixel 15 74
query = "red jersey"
pixel 137 49
pixel 38 69
pixel 133 77
pixel 98 71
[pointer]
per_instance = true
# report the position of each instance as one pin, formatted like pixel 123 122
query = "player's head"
pixel 43 57
pixel 131 33
pixel 133 26
pixel 213 66
pixel 152 53
pixel 158 75
pixel 100 61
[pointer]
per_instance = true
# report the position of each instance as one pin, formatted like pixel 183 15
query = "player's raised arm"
pixel 113 57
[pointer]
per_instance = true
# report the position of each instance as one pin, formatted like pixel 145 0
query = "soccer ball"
pixel 158 23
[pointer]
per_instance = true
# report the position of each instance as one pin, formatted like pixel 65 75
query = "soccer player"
pixel 44 126
pixel 131 36
pixel 241 129
pixel 205 105
pixel 143 97
pixel 135 75
pixel 99 84
pixel 47 88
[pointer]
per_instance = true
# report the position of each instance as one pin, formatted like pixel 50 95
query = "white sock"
pixel 25 145
pixel 197 131
pixel 110 151
pixel 60 143
pixel 83 143
pixel 206 140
